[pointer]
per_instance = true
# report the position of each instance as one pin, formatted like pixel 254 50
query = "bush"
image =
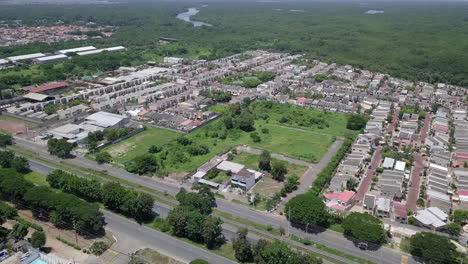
pixel 68 243
pixel 38 239
pixel 27 223
pixel 98 247
pixel 154 149
pixel 103 157
pixel 199 261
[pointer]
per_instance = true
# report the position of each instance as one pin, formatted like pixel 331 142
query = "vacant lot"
pixel 140 143
pixel 251 161
pixel 149 256
pixel 267 187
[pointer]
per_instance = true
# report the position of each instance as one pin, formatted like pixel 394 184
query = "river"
pixel 185 16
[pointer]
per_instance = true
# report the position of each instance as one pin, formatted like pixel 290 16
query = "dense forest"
pixel 410 40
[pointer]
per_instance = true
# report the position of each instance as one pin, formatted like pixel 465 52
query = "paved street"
pixel 413 192
pixel 367 180
pixel 311 174
pixel 329 238
pixel 395 119
pixel 132 236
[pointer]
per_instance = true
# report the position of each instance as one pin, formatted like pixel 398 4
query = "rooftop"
pixel 48 87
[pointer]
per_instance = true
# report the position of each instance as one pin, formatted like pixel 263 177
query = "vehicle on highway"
pixel 363 245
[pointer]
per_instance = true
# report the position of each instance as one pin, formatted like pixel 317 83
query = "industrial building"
pixel 75 50
pixel 48 59
pixel 25 57
pixel 95 51
pixel 78 133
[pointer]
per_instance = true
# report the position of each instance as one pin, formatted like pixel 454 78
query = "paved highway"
pixel 332 239
pixel 132 236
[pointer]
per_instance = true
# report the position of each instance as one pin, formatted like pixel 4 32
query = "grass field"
pixel 286 141
pixel 140 143
pixel 37 178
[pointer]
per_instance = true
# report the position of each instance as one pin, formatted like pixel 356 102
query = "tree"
pixel 460 216
pixel 433 248
pixel 454 229
pixel 306 209
pixel 320 77
pixel 154 149
pixel 5 140
pixel 351 184
pixel 19 231
pixel 264 161
pixel 364 227
pixel 291 183
pixel 246 121
pixel 212 231
pixel 6 158
pixel 20 164
pixel 242 246
pixel 356 122
pixel 280 253
pixel 255 137
pixel 202 201
pixel 59 147
pixel 278 170
pixel 103 157
pixel 38 239
pixel 144 164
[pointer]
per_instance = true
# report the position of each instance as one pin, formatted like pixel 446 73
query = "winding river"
pixel 185 16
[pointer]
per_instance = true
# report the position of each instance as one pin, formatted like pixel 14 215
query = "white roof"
pixel 115 48
pixel 388 162
pixel 199 174
pixel 400 166
pixel 209 183
pixel 105 119
pixel 430 216
pixel 3 61
pixel 232 166
pixel 26 57
pixel 257 174
pixel 383 204
pixel 53 57
pixel 438 167
pixel 35 96
pixel 438 195
pixel 77 49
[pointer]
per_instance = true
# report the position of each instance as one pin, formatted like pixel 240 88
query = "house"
pixel 432 217
pixel 388 163
pixel 391 183
pixel 441 158
pixel 463 200
pixel 382 207
pixel 230 166
pixel 400 213
pixel 245 178
pixel 440 200
pixel 369 202
pixel 340 200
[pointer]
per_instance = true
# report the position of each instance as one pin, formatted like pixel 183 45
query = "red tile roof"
pixel 300 100
pixel 50 86
pixel 463 192
pixel 342 196
pixel 400 209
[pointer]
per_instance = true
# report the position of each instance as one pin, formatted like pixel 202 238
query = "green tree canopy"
pixel 306 209
pixel 38 239
pixel 364 227
pixel 433 248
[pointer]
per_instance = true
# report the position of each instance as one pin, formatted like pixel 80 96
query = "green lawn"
pixel 140 143
pixel 37 178
pixel 286 141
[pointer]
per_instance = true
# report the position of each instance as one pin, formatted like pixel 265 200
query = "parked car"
pixel 363 245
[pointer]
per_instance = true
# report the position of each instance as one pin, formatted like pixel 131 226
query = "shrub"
pixel 98 247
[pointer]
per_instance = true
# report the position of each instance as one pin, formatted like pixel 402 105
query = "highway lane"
pixel 332 239
pixel 132 236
